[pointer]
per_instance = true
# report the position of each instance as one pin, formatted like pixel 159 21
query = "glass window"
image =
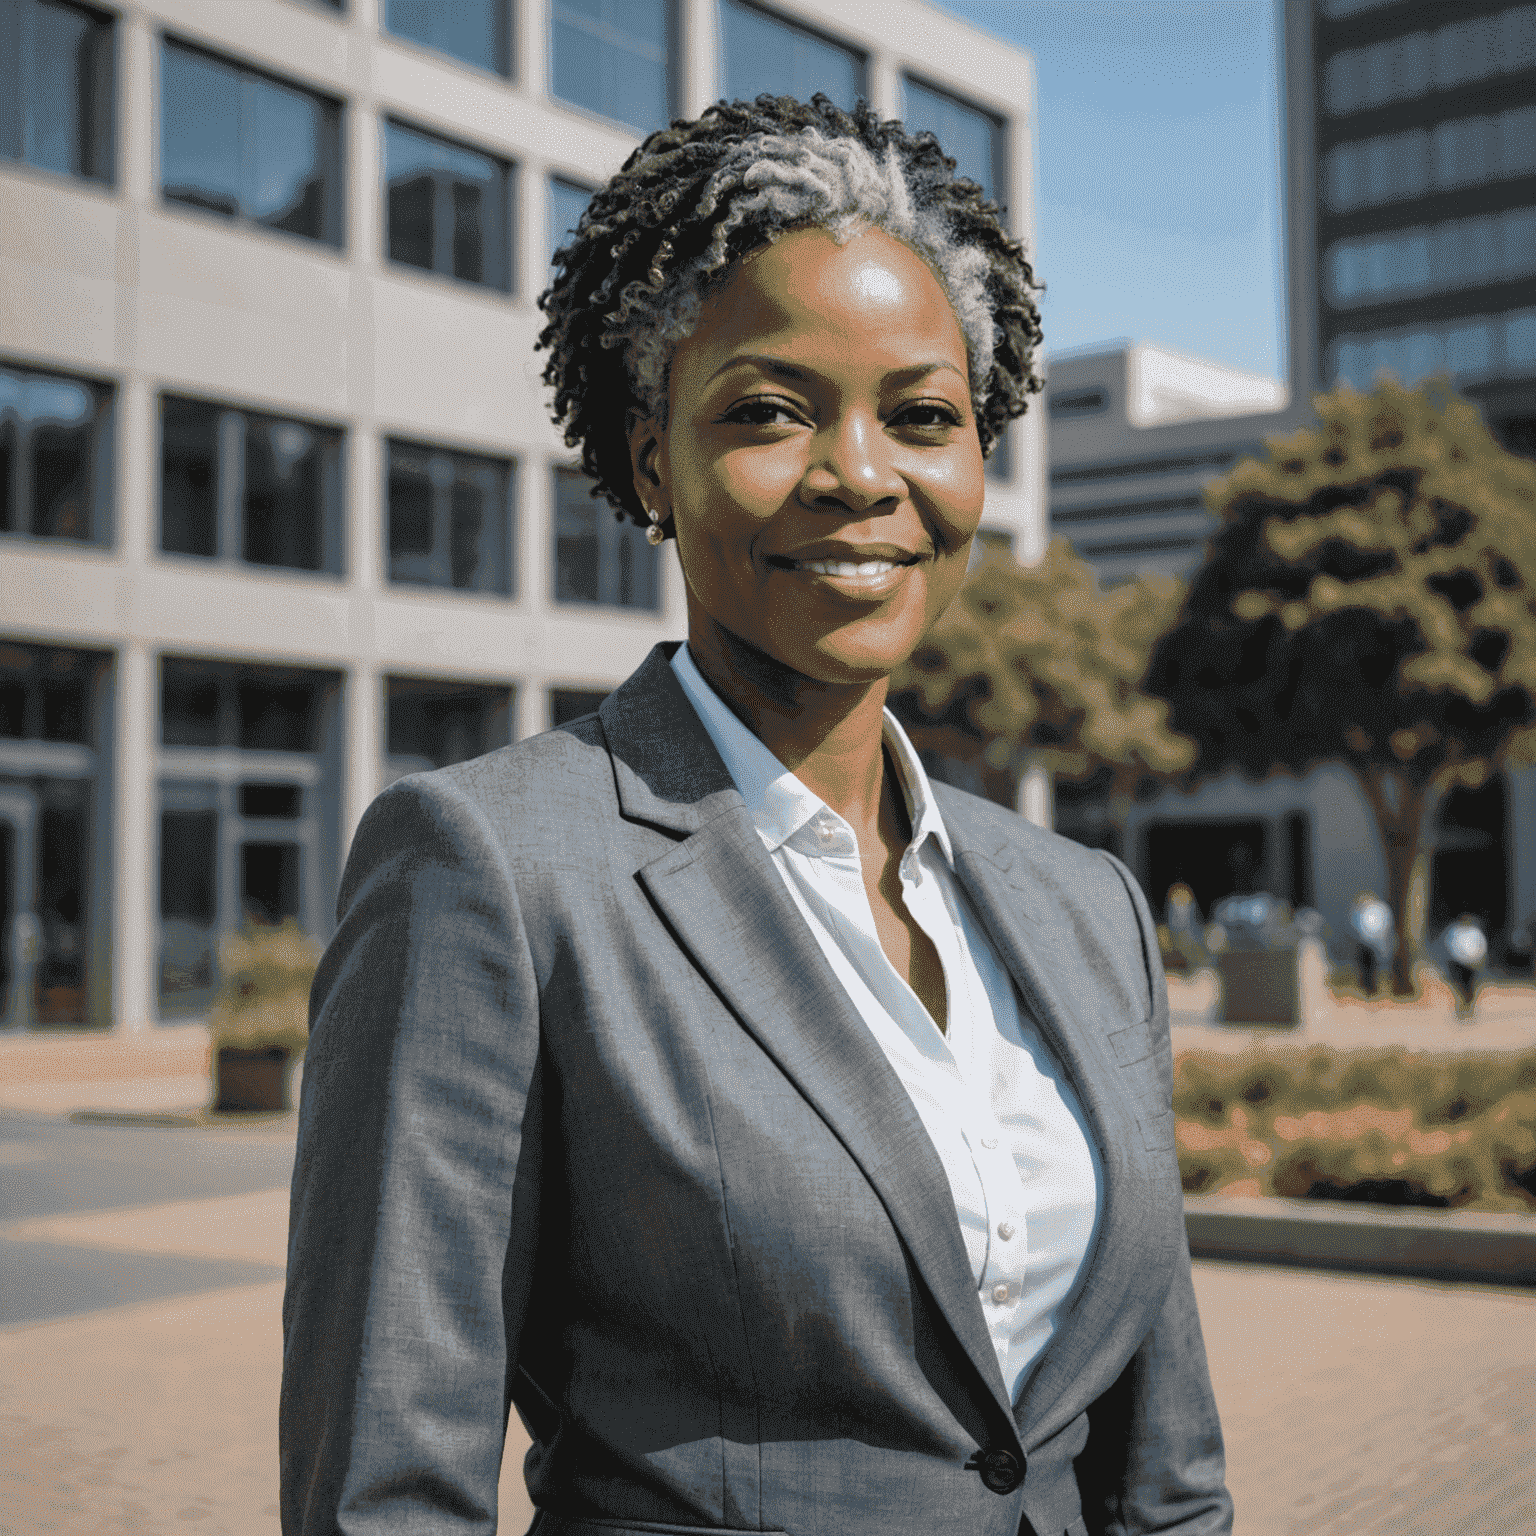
pixel 477 32
pixel 253 839
pixel 761 52
pixel 240 144
pixel 972 137
pixel 248 486
pixel 56 88
pixel 435 722
pixel 597 558
pixel 1517 142
pixel 613 57
pixel 55 456
pixel 1520 340
pixel 450 519
pixel 1456 254
pixel 567 202
pixel 46 694
pixel 567 704
pixel 448 208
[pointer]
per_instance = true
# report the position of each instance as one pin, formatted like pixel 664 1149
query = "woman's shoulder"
pixel 545 786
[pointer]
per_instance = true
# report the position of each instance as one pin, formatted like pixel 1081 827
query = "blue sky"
pixel 1158 202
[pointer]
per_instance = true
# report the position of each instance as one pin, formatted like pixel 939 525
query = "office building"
pixel 282 516
pixel 1411 190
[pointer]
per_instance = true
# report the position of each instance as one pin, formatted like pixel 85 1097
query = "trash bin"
pixel 1257 962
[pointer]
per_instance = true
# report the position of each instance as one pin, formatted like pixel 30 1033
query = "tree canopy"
pixel 1041 665
pixel 1370 600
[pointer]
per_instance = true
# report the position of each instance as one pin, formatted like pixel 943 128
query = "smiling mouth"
pixel 845 569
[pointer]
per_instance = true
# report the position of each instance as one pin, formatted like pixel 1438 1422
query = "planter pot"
pixel 1259 986
pixel 252 1079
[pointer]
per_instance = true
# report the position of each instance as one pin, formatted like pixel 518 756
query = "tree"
pixel 1370 600
pixel 1040 665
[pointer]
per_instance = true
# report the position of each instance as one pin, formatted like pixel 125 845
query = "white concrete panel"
pixel 205 608
pixel 50 316
pixel 249 316
pixel 49 593
pixel 307 44
pixel 454 362
pixel 60 225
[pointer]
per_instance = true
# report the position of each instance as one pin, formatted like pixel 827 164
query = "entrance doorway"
pixel 1213 858
pixel 19 929
pixel 1469 869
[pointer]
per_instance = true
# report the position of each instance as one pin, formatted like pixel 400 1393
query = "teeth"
pixel 848 567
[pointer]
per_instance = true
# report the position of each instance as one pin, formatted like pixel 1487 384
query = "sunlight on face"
pixel 821 459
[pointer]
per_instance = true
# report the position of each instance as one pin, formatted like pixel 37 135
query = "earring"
pixel 653 534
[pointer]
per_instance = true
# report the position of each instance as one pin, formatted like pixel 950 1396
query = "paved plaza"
pixel 140 1340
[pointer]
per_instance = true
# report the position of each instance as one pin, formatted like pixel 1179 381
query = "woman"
pixel 788 1138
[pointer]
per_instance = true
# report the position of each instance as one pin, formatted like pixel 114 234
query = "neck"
pixel 827 734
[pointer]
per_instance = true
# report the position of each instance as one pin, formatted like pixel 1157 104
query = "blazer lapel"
pixel 1029 926
pixel 729 911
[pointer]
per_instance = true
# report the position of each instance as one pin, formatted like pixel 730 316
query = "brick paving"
pixel 1373 1407
pixel 1351 1405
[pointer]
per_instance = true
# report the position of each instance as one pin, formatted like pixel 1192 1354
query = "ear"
pixel 646 440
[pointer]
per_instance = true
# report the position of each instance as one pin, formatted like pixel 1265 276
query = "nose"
pixel 852 468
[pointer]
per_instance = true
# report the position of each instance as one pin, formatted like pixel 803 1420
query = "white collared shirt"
pixel 998 1108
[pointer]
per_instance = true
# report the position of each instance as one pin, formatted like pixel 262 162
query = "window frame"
pixel 793 24
pixel 675 42
pixel 333 146
pixel 505 68
pixel 1002 138
pixel 604 516
pixel 397 684
pixel 102 129
pixel 103 467
pixel 333 532
pixel 576 184
pixel 506 285
pixel 507 589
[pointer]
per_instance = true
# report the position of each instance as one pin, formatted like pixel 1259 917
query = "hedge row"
pixel 1389 1127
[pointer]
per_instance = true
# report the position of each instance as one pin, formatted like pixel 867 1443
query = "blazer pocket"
pixel 1131 1044
pixel 547 1523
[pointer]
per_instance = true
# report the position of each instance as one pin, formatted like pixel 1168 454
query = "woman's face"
pixel 820 461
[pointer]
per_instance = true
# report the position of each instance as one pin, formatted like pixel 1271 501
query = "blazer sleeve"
pixel 1154 1461
pixel 415 1203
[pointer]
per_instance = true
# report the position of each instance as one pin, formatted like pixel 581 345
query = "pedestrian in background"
pixel 1186 927
pixel 1370 920
pixel 1466 951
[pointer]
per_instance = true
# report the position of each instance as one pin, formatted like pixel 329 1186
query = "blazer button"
pixel 1001 1471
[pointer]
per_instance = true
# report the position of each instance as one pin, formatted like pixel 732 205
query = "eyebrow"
pixel 786 370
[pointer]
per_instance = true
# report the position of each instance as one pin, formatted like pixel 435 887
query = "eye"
pixel 763 411
pixel 927 415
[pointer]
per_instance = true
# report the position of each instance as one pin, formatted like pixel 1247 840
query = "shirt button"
pixel 999 1294
pixel 989 1142
pixel 1005 1230
pixel 826 832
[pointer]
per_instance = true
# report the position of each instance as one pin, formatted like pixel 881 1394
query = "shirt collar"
pixel 777 801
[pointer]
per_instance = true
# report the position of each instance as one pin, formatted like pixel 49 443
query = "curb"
pixel 1485 1246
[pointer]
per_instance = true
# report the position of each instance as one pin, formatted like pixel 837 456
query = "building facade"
pixel 282 516
pixel 1136 435
pixel 1411 150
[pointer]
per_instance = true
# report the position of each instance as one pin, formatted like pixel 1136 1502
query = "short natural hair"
pixel 694 198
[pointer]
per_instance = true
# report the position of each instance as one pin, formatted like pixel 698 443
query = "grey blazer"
pixel 589 1127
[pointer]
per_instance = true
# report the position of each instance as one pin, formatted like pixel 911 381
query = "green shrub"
pixel 263 997
pixel 1387 1126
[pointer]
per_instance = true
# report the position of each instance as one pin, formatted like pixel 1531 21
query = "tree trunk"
pixel 1401 826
